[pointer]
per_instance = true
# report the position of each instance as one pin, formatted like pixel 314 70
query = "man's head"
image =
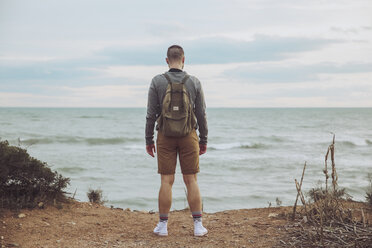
pixel 175 56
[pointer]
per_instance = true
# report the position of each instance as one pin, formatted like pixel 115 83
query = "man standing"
pixel 187 146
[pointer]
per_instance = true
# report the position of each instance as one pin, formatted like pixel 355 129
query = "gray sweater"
pixel 155 98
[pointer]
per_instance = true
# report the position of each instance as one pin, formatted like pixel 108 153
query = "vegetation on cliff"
pixel 25 181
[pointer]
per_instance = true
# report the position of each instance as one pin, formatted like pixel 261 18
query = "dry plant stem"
pixel 326 170
pixel 295 205
pixel 363 218
pixel 329 223
pixel 321 229
pixel 334 173
pixel 298 187
pixel 73 196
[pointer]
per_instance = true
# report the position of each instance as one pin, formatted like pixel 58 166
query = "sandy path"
pixel 85 225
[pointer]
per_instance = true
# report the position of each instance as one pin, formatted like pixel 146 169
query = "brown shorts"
pixel 188 149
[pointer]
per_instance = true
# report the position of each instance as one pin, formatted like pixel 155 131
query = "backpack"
pixel 177 118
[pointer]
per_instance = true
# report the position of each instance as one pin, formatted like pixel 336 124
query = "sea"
pixel 253 157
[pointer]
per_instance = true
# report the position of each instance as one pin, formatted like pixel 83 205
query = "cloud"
pixel 216 50
pixel 90 96
pixel 103 66
pixel 269 51
pixel 277 73
pixel 43 71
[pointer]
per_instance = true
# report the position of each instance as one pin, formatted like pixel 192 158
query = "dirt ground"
pixel 81 224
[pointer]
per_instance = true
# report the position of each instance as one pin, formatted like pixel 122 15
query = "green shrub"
pixel 26 181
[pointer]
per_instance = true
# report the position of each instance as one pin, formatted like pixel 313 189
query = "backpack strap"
pixel 170 83
pixel 182 82
pixel 185 78
pixel 168 78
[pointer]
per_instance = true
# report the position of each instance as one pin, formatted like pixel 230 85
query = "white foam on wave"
pixel 229 146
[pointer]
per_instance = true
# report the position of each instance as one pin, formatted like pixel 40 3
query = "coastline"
pixel 82 224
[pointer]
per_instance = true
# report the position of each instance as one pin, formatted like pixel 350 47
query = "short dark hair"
pixel 175 53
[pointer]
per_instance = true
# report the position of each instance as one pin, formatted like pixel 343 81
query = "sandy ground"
pixel 81 224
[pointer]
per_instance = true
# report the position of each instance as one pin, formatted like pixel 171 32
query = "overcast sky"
pixel 246 53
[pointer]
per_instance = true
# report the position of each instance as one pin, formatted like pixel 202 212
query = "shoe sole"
pixel 161 234
pixel 201 234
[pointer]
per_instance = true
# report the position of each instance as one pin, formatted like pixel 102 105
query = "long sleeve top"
pixel 156 94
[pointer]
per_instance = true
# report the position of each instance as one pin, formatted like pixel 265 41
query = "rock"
pixel 151 212
pixel 127 209
pixel 46 223
pixel 273 215
pixel 12 245
pixel 21 215
pixel 71 223
pixel 2 237
pixel 183 226
pixel 40 205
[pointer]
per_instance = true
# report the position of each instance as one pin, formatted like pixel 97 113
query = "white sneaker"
pixel 199 229
pixel 161 228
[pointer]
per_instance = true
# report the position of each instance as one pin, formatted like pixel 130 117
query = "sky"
pixel 246 53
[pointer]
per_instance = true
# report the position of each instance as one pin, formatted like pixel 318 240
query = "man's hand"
pixel 150 149
pixel 202 149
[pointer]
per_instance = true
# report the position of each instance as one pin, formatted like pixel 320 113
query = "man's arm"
pixel 152 110
pixel 201 116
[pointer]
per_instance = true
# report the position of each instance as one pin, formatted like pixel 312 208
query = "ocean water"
pixel 253 155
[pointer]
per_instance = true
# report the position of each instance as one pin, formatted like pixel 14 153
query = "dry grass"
pixel 325 221
pixel 95 196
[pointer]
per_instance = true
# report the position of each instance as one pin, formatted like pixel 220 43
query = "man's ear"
pixel 183 59
pixel 166 60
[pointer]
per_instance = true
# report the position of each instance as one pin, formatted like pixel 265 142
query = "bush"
pixel 26 181
pixel 95 196
pixel 318 193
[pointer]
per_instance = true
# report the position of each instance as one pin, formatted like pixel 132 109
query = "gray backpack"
pixel 177 118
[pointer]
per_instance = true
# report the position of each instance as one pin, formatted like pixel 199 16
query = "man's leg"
pixel 194 200
pixel 165 202
pixel 165 193
pixel 193 192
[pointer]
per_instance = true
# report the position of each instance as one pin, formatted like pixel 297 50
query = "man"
pixel 188 147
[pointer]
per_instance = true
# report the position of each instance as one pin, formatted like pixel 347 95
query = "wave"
pixel 105 141
pixel 346 144
pixel 254 146
pixel 351 144
pixel 230 146
pixel 79 140
pixel 91 117
pixel 137 202
pixel 71 169
pixel 274 138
